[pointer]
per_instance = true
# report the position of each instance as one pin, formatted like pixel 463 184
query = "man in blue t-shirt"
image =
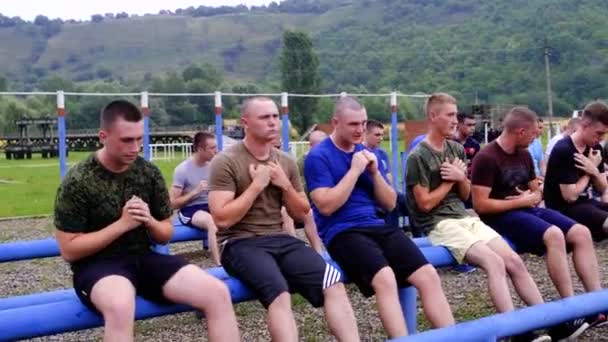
pixel 346 184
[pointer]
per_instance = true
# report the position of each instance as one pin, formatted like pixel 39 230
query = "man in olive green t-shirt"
pixel 437 185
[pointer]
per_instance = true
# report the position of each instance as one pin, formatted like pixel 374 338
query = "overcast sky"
pixel 83 9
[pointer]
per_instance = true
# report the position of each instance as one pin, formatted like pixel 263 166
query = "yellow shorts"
pixel 458 235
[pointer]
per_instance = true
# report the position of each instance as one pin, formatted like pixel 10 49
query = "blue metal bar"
pixel 519 321
pixel 63 165
pixel 147 137
pixel 395 151
pixel 219 129
pixel 285 132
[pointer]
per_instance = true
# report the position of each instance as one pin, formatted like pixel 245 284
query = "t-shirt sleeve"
pixel 71 203
pixel 179 177
pixel 562 161
pixel 221 174
pixel 530 166
pixel 417 171
pixel 160 205
pixel 483 170
pixel 316 172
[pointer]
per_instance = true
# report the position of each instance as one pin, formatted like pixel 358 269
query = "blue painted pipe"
pixel 69 294
pixel 394 151
pixel 43 248
pixel 285 132
pixel 519 321
pixel 438 256
pixel 219 129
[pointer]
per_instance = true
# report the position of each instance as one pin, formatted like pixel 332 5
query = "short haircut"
pixel 519 117
pixel 462 116
pixel 371 124
pixel 119 109
pixel 200 140
pixel 347 103
pixel 596 111
pixel 438 98
pixel 245 107
pixel 573 122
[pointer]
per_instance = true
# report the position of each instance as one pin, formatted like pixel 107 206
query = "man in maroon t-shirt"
pixel 506 195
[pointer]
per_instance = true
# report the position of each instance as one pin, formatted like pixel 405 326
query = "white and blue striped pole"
pixel 146 112
pixel 61 131
pixel 285 120
pixel 219 123
pixel 394 141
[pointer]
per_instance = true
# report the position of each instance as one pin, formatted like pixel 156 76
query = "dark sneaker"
pixel 569 331
pixel 464 268
pixel 531 337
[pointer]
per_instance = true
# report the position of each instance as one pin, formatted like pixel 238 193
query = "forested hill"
pixel 492 49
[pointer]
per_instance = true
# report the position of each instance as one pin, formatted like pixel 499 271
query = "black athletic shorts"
pixel 362 252
pixel 148 273
pixel 590 213
pixel 271 265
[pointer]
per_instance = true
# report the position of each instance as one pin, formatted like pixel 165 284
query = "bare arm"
pixel 75 246
pixel 329 200
pixel 180 199
pixel 383 192
pixel 227 210
pixel 427 200
pixel 484 205
pixel 570 192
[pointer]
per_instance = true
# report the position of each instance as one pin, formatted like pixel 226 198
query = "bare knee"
pixel 579 235
pixel 554 238
pixel 514 264
pixel 114 297
pixel 384 280
pixel 494 265
pixel 281 302
pixel 425 277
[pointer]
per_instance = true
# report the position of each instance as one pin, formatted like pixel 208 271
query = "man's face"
pixel 467 127
pixel 350 125
pixel 443 117
pixel 526 135
pixel 374 136
pixel 262 120
pixel 209 150
pixel 593 132
pixel 541 127
pixel 122 140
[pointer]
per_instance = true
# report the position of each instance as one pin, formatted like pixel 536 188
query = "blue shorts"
pixel 525 227
pixel 185 214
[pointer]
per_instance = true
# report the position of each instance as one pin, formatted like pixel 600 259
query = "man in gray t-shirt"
pixel 190 190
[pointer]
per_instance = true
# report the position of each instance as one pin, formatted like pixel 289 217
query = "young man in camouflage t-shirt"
pixel 249 183
pixel 107 210
pixel 437 185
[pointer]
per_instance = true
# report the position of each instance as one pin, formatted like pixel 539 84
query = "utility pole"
pixel 549 94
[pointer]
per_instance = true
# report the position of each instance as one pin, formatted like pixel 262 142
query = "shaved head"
pixel 519 117
pixel 250 102
pixel 316 137
pixel 347 103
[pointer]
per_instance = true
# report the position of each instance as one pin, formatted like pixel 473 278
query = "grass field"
pixel 28 186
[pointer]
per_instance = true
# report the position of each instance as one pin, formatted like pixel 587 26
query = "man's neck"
pixel 506 142
pixel 259 149
pixel 107 162
pixel 461 137
pixel 435 139
pixel 341 144
pixel 371 147
pixel 577 140
pixel 199 160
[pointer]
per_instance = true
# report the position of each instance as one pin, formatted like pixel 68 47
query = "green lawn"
pixel 28 186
